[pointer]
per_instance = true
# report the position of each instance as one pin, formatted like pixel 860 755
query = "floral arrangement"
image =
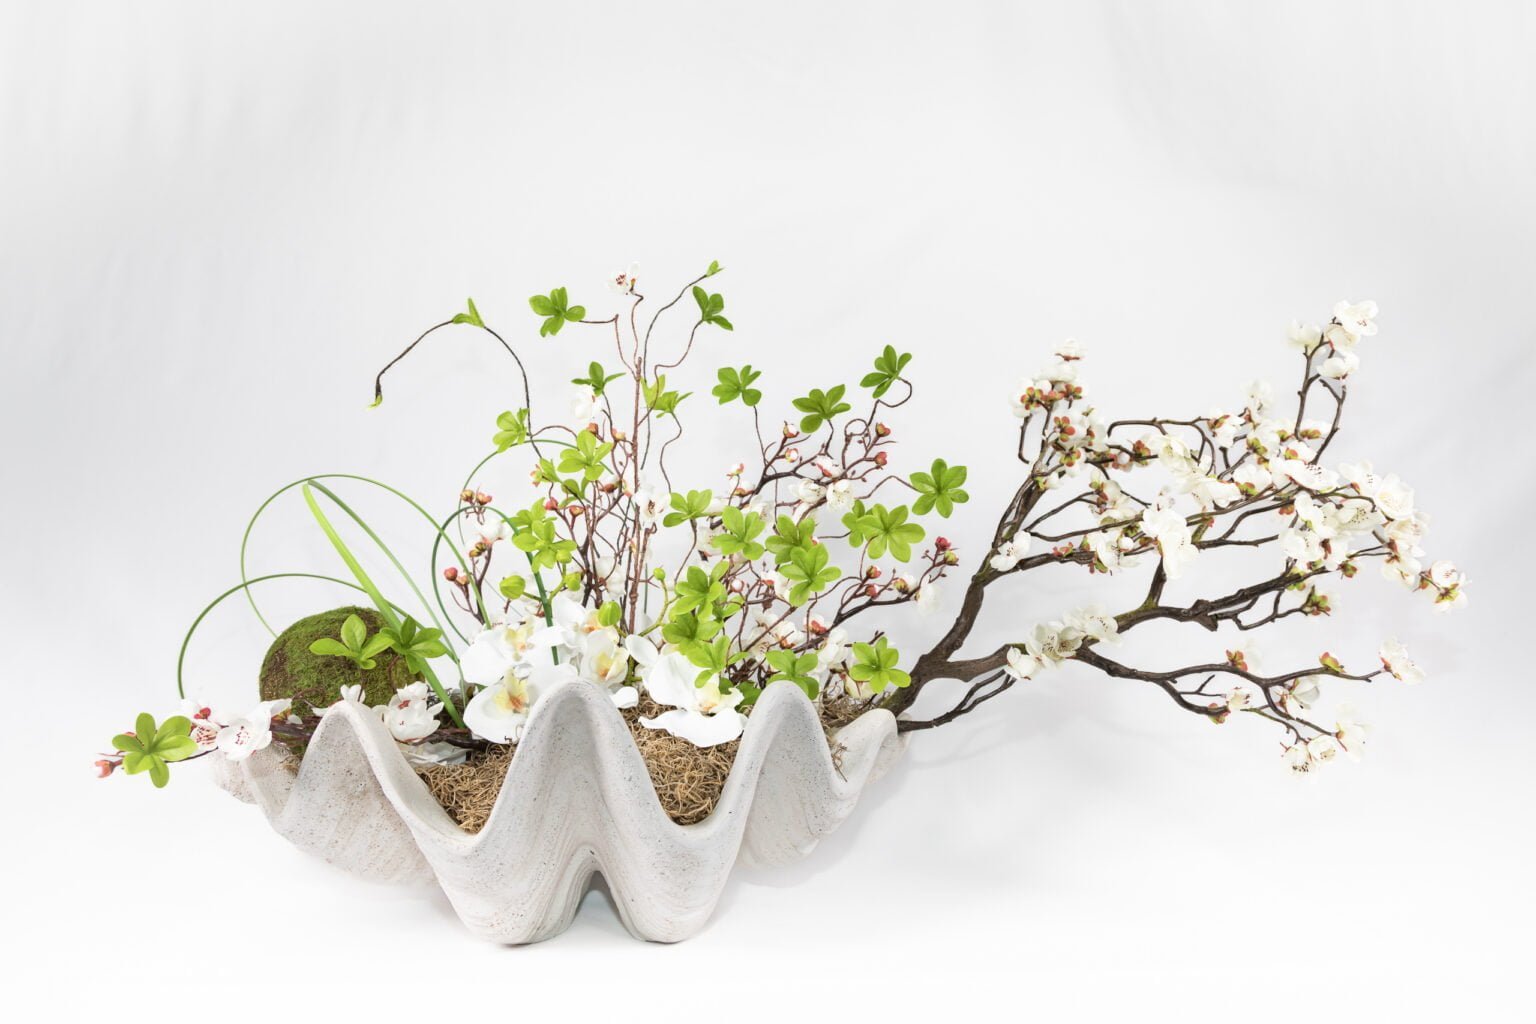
pixel 684 602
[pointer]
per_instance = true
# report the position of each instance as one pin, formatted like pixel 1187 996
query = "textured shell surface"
pixel 577 801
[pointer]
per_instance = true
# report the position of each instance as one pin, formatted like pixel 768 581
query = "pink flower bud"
pixel 451 573
pixel 880 458
pixel 550 504
pixel 941 543
pixel 105 768
pixel 481 498
pixel 881 430
pixel 872 573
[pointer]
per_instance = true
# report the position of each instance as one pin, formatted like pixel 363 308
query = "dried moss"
pixel 315 680
pixel 688 779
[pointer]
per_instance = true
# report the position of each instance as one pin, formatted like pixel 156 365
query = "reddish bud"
pixel 871 591
pixel 592 429
pixel 466 496
pixel 451 573
pixel 481 498
pixel 105 768
pixel 872 573
pixel 941 543
pixel 881 430
pixel 550 504
pixel 880 458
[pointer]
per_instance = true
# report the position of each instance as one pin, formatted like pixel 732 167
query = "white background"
pixel 218 221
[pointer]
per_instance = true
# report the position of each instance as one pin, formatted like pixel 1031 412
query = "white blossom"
pixel 1394 658
pixel 1356 320
pixel 410 714
pixel 701 713
pixel 1011 552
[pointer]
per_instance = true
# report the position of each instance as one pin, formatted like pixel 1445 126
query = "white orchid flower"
pixel 517 641
pixel 252 731
pixel 604 662
pixel 487 527
pixel 702 715
pixel 410 714
pixel 499 713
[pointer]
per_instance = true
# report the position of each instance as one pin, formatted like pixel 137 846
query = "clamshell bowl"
pixel 577 801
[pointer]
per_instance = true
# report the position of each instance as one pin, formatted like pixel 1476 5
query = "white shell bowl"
pixel 577 801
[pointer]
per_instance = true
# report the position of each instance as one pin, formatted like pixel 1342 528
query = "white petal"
pixel 625 697
pixel 700 730
pixel 486 660
pixel 670 681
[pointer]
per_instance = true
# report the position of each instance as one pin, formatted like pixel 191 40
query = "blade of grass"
pixel 245 540
pixel 386 609
pixel 181 657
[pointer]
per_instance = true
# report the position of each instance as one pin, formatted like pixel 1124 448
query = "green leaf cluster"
pixel 511 430
pixel 151 748
pixel 556 311
pixel 693 505
pixel 796 668
pixel 533 532
pixel 586 459
pixel 737 384
pixel 809 573
pixel 821 407
pixel 875 665
pixel 939 488
pixel 710 308
pixel 884 529
pixel 887 371
pixel 739 533
pixel 415 643
pixel 659 399
pixel 597 378
pixel 355 644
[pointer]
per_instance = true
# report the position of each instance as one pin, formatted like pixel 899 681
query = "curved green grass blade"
pixel 181 657
pixel 386 609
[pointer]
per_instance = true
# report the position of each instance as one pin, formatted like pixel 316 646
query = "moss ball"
pixel 311 680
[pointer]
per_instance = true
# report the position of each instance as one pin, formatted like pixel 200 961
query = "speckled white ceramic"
pixel 576 801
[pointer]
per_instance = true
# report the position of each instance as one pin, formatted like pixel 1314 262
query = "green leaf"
pixel 541 305
pixel 353 632
pixel 887 529
pixel 875 664
pixel 377 644
pixel 939 489
pixel 472 317
pixel 512 430
pixel 789 537
pixel 714 268
pixel 710 308
pixel 597 378
pixel 739 534
pixel 127 744
pixel 809 573
pixel 177 748
pixel 888 367
pixel 735 384
pixel 331 647
pixel 693 505
pixel 159 773
pixel 821 407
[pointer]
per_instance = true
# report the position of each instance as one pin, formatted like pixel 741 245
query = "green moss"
pixel 315 680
